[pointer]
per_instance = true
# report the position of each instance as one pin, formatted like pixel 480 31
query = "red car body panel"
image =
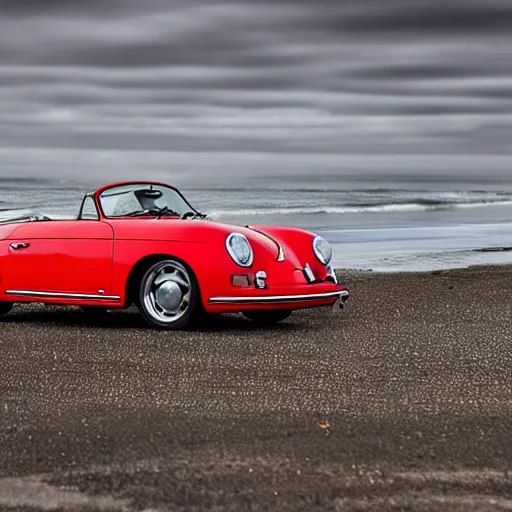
pixel 62 256
pixel 93 259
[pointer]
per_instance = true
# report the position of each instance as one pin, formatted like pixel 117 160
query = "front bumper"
pixel 280 297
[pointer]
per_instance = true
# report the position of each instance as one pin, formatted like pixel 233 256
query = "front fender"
pixel 210 262
pixel 297 242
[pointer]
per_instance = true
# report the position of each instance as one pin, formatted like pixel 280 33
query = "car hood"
pixel 193 231
pixel 266 241
pixel 255 236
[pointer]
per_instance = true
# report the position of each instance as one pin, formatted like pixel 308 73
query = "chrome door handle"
pixel 18 246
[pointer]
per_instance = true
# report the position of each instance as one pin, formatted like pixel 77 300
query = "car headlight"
pixel 322 249
pixel 239 249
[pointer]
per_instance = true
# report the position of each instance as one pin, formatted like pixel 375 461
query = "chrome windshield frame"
pixel 137 184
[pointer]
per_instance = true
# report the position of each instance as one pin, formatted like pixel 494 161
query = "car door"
pixel 59 257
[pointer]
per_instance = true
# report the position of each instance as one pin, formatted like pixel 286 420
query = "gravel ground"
pixel 401 402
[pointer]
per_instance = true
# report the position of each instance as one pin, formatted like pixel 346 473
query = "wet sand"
pixel 401 402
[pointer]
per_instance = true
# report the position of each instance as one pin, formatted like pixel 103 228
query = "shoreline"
pixel 359 271
pixel 421 261
pixel 356 272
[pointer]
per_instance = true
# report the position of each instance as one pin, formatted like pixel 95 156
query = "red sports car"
pixel 142 243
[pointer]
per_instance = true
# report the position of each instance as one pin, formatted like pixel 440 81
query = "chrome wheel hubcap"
pixel 166 291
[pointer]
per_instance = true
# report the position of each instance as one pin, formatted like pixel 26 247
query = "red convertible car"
pixel 142 243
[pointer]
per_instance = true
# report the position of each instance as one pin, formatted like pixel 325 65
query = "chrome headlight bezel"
pixel 241 262
pixel 322 249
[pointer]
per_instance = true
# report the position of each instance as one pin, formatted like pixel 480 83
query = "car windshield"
pixel 143 199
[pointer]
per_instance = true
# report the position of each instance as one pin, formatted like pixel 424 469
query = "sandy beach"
pixel 400 402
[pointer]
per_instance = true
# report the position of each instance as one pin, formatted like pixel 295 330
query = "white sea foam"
pixel 340 210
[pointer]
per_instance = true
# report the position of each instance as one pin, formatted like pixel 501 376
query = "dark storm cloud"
pixel 181 79
pixel 430 18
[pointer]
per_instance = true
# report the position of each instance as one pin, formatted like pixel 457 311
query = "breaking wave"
pixel 422 206
pixel 63 198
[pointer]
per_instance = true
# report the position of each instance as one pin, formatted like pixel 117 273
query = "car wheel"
pixel 5 307
pixel 169 295
pixel 268 317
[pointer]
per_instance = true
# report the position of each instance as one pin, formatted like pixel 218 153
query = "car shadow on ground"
pixel 131 319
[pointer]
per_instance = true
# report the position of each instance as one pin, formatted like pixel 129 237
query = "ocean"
pixel 377 227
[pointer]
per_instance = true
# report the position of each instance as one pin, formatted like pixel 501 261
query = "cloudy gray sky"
pixel 262 88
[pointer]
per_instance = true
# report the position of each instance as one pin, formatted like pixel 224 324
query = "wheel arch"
pixel 139 269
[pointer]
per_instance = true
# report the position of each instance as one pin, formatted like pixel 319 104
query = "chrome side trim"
pixel 277 298
pixel 56 295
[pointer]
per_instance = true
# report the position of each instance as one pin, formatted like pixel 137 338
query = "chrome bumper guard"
pixel 275 299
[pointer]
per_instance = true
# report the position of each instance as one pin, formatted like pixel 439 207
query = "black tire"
pixel 5 307
pixel 158 295
pixel 271 317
